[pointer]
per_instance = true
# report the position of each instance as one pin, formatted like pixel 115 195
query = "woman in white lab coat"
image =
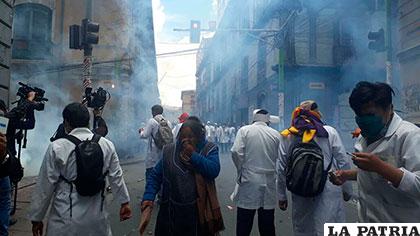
pixel 310 214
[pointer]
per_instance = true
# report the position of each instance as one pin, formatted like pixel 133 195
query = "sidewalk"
pixel 23 226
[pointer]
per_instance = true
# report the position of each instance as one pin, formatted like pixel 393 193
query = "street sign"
pixel 317 85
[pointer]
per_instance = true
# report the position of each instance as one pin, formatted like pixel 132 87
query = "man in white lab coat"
pixel 152 127
pixel 387 156
pixel 310 213
pixel 254 153
pixel 219 134
pixel 72 214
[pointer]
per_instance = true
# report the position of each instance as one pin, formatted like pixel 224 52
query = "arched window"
pixel 32 31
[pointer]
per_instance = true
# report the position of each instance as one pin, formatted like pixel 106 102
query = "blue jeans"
pixel 5 191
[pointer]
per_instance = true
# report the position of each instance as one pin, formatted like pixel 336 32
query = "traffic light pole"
pixel 87 69
pixel 388 39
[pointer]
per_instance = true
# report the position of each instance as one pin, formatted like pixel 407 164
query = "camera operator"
pixel 21 118
pixel 10 168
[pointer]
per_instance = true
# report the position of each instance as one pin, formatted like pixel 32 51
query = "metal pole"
pixel 87 53
pixel 87 69
pixel 89 8
pixel 388 40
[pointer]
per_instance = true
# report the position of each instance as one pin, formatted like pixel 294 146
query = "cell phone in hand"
pixel 351 154
pixel 332 174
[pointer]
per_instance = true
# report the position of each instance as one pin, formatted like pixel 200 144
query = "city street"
pixel 225 183
pixel 134 177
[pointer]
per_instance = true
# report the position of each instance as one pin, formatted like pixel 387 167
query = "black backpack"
pixel 90 162
pixel 305 174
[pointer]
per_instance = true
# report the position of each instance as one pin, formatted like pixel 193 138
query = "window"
pixel 244 75
pixel 262 60
pixel 32 31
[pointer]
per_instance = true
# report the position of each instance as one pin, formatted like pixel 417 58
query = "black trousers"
pixel 245 220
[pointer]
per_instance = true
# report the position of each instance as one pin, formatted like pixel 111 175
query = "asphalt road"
pixel 134 177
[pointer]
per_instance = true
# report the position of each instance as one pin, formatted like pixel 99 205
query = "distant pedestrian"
pixel 224 138
pixel 72 187
pixel 309 149
pixel 186 175
pixel 210 132
pixel 219 133
pixel 232 135
pixel 255 153
pixel 182 118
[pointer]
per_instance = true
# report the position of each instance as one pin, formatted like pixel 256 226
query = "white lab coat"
pixel 232 134
pixel 255 153
pixel 219 133
pixel 224 138
pixel 210 133
pixel 310 214
pixel 87 217
pixel 153 153
pixel 379 200
pixel 175 130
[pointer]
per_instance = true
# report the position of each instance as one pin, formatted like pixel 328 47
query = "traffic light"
pixel 89 32
pixel 74 34
pixel 195 31
pixel 377 40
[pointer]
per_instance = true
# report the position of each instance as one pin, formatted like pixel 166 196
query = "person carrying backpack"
pixel 72 181
pixel 158 131
pixel 308 151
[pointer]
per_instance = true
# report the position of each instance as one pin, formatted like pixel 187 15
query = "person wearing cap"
pixel 310 213
pixel 182 118
pixel 255 153
pixel 210 132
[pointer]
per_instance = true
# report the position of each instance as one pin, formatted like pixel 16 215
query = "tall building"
pixel 188 101
pixel 124 60
pixel 6 22
pixel 409 56
pixel 274 54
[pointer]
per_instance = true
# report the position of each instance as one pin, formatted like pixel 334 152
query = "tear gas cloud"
pixel 133 84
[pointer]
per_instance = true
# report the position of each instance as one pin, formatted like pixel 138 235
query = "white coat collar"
pixel 260 123
pixel 393 126
pixel 80 131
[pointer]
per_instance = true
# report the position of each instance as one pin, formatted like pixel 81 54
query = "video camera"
pixel 96 99
pixel 25 89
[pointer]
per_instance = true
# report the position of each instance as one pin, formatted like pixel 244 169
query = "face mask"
pixel 371 125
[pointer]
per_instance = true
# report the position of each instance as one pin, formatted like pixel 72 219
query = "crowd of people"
pixel 221 134
pixel 308 160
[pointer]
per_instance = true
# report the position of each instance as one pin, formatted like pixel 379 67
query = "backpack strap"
pixel 73 139
pixel 96 138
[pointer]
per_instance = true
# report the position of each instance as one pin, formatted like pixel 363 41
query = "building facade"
pixel 188 101
pixel 124 61
pixel 6 22
pixel 274 54
pixel 409 56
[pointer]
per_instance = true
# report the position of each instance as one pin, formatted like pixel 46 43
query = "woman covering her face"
pixel 186 173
